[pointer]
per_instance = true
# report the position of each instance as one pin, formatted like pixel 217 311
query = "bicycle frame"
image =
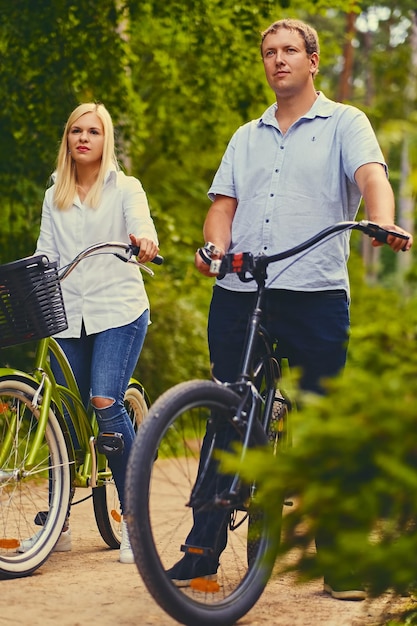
pixel 250 407
pixel 64 398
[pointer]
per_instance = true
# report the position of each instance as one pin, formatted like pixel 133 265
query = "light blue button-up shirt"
pixel 102 290
pixel 289 187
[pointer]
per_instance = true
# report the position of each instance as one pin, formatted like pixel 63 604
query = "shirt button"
pixel 271 195
pixel 276 171
pixel 267 221
pixel 281 147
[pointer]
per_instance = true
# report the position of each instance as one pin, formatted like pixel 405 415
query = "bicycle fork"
pixel 14 426
pixel 242 422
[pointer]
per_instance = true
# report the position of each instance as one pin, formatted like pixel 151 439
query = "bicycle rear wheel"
pixel 105 497
pixel 34 498
pixel 162 471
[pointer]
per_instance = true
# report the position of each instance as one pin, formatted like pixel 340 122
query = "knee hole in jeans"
pixel 99 402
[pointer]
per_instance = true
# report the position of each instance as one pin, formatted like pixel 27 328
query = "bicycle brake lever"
pixel 204 256
pixel 142 266
pixel 121 257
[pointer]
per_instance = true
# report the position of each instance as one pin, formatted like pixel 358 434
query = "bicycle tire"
pixel 33 500
pixel 161 472
pixel 279 428
pixel 105 497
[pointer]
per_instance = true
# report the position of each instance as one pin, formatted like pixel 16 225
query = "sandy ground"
pixel 88 586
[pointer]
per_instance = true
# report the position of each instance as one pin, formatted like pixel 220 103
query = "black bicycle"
pixel 175 467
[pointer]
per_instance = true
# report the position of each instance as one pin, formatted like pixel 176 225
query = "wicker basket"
pixel 31 304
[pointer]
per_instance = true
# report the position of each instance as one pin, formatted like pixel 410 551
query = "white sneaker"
pixel 64 543
pixel 125 552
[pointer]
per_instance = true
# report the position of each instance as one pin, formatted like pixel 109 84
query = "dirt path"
pixel 88 586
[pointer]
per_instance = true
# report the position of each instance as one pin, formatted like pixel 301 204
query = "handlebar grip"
pixel 379 233
pixel 158 260
pixel 204 256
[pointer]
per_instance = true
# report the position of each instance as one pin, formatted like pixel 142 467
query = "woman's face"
pixel 86 139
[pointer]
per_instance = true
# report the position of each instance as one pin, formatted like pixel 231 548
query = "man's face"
pixel 288 67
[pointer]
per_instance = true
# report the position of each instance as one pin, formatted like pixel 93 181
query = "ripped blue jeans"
pixel 103 364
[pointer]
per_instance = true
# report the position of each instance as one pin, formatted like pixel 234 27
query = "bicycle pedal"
pixel 110 444
pixel 41 517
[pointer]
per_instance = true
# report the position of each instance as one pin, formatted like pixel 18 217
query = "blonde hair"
pixel 65 185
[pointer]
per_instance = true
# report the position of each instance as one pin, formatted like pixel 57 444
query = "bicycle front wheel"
pixel 105 497
pixel 34 498
pixel 164 489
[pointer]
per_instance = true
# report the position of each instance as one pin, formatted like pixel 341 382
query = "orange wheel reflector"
pixel 205 586
pixel 9 544
pixel 116 516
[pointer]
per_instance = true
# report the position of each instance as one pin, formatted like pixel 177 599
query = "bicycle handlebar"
pixel 242 262
pixel 100 248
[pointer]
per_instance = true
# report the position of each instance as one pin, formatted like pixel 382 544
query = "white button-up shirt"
pixel 289 187
pixel 102 291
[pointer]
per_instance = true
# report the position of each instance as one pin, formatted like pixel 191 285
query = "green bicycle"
pixel 40 464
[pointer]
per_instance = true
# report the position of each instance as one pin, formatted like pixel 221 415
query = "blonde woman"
pixel 91 201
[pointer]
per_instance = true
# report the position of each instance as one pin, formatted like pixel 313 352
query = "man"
pixel 302 166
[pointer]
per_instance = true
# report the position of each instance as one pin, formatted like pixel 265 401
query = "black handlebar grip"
pixel 158 260
pixel 379 233
pixel 203 254
pixel 382 235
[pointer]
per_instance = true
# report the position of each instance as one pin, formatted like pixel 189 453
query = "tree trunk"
pixel 345 81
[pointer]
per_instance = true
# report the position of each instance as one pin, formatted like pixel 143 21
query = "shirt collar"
pixel 322 107
pixel 111 174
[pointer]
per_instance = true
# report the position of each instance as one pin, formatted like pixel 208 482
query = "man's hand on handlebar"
pixel 147 248
pixel 395 243
pixel 205 255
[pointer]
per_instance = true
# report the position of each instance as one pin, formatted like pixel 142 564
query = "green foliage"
pixel 55 57
pixel 175 347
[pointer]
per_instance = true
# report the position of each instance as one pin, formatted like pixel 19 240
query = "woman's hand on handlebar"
pixel 148 249
pixel 395 243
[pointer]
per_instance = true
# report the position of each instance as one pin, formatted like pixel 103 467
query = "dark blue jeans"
pixel 311 331
pixel 103 364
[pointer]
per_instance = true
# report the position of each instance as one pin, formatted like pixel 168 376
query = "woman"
pixel 107 307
